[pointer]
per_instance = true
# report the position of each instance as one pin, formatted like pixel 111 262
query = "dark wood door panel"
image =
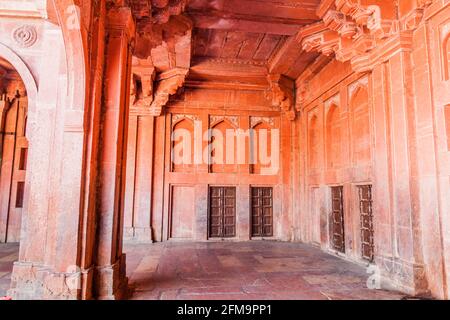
pixel 337 219
pixel 262 211
pixel 222 212
pixel 366 214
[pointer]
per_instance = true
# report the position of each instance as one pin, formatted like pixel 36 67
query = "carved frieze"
pixel 254 121
pixel 214 119
pixel 180 116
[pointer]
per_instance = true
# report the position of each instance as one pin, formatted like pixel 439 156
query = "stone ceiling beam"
pixel 236 23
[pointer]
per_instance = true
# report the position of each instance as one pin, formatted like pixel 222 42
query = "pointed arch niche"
pixel 183 143
pixel 261 144
pixel 223 144
pixel 313 142
pixel 333 134
pixel 360 123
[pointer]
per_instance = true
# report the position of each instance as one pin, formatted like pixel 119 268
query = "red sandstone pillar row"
pixel 397 222
pixel 110 274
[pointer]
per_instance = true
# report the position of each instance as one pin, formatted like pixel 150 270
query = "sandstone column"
pixel 110 275
pixel 397 219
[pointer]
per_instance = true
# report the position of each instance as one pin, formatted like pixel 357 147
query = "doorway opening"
pixel 13 151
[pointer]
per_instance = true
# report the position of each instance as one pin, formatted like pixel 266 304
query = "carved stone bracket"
pixel 166 85
pixel 358 33
pixel 281 92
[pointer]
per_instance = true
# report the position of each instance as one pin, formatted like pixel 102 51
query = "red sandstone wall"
pixel 393 134
pixel 178 206
pixel 336 149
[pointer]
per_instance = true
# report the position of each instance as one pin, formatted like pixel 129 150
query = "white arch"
pixel 23 70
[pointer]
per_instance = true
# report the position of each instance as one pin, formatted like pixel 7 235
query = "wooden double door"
pixel 366 221
pixel 222 212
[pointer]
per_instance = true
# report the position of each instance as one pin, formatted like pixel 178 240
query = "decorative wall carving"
pixel 25 36
pixel 332 101
pixel 254 121
pixel 352 32
pixel 363 82
pixel 180 116
pixel 214 119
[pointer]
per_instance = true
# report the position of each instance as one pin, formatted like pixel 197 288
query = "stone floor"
pixel 8 254
pixel 226 270
pixel 246 270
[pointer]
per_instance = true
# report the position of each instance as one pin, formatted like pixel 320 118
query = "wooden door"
pixel 365 209
pixel 337 219
pixel 222 212
pixel 262 211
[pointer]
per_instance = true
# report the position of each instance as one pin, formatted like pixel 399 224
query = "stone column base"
pixel 404 276
pixel 111 282
pixel 35 281
pixel 138 235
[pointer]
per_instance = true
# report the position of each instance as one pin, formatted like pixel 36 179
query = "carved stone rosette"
pixel 25 36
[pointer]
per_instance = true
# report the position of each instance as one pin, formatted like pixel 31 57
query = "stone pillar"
pixel 130 178
pixel 48 258
pixel 139 180
pixel 397 221
pixel 143 186
pixel 110 275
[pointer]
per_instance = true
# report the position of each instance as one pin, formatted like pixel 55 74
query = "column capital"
pixel 120 21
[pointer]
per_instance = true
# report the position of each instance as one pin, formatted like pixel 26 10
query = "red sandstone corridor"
pixel 246 270
pixel 321 126
pixel 257 270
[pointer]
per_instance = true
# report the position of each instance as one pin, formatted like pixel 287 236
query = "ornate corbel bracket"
pixel 326 42
pixel 167 84
pixel 367 16
pixel 339 22
pixel 282 94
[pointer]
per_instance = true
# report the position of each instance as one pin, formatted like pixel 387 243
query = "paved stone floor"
pixel 8 254
pixel 227 270
pixel 245 270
